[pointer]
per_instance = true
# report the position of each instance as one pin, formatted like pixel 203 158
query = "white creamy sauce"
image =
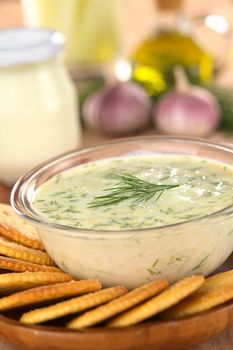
pixel 204 186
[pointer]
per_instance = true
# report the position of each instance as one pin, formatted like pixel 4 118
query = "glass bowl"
pixel 132 257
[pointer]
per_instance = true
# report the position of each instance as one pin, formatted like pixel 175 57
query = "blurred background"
pixel 136 17
pixel 128 67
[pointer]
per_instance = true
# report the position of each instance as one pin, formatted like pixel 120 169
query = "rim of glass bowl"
pixel 24 209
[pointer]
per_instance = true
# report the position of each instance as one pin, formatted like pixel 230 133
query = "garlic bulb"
pixel 122 108
pixel 187 110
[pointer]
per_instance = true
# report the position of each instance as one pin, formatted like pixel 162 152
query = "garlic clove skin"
pixel 193 112
pixel 120 109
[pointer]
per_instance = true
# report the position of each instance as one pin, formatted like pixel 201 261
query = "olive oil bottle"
pixel 171 44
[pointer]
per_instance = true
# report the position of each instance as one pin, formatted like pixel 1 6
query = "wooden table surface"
pixel 223 341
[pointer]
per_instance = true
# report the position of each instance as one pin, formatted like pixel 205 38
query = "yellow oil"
pixel 156 57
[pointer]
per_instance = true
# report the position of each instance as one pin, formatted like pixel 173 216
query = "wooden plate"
pixel 154 335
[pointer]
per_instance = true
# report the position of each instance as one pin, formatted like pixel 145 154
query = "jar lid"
pixel 29 45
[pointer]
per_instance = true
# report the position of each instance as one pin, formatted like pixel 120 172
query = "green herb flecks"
pixel 130 187
pixel 201 263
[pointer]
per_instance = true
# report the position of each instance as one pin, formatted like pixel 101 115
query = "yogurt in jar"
pixel 38 112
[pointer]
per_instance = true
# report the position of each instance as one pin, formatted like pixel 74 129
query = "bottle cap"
pixel 169 4
pixel 24 45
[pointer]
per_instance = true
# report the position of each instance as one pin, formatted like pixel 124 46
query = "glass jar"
pixel 38 104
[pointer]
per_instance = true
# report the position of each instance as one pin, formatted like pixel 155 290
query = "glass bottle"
pixel 169 45
pixel 90 26
pixel 92 32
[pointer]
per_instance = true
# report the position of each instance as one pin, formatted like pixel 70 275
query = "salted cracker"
pixel 216 290
pixel 17 229
pixel 10 282
pixel 24 266
pixel 18 251
pixel 73 305
pixel 49 292
pixel 171 296
pixel 118 305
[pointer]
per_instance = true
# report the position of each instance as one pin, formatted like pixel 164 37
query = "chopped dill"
pixel 130 187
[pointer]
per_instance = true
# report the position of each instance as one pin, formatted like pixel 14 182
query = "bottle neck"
pixel 169 20
pixel 172 20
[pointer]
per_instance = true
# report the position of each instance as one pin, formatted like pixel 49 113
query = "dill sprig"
pixel 130 187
